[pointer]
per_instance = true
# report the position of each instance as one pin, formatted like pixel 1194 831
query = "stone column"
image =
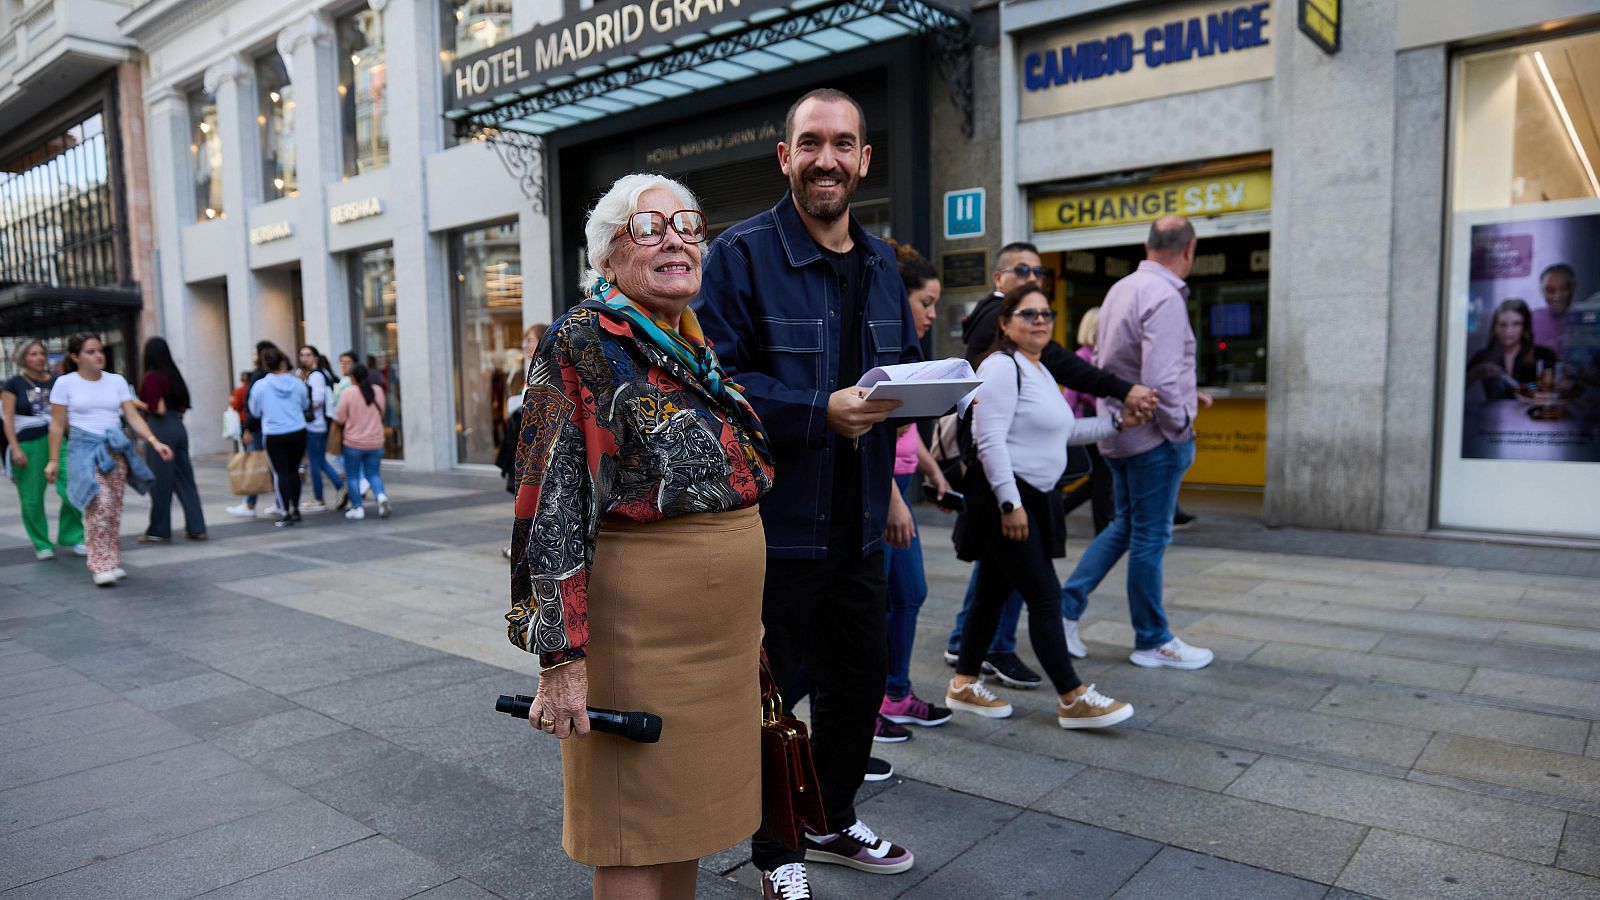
pixel 232 82
pixel 422 303
pixel 309 53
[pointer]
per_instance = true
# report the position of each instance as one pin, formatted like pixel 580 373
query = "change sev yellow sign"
pixel 1210 196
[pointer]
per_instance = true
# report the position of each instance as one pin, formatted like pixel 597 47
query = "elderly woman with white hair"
pixel 637 557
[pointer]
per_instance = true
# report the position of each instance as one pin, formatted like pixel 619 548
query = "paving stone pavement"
pixel 305 713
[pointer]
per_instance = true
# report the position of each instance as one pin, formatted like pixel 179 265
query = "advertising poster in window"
pixel 1533 341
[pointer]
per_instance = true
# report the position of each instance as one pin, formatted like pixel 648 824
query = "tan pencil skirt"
pixel 674 629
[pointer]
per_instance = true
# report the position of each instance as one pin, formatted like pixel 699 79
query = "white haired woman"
pixel 637 556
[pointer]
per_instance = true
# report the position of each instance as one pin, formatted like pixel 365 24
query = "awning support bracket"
pixel 522 154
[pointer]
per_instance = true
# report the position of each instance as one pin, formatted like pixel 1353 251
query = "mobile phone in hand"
pixel 954 501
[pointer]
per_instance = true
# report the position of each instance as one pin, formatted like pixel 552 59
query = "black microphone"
pixel 640 727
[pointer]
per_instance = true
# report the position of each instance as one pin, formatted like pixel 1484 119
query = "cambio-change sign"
pixel 601 33
pixel 1172 50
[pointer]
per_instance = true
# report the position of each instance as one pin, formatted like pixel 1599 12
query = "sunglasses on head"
pixel 649 228
pixel 1023 270
pixel 1033 315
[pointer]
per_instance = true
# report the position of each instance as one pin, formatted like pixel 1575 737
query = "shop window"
pixel 487 286
pixel 276 118
pixel 377 335
pixel 363 92
pixel 467 27
pixel 205 154
pixel 57 222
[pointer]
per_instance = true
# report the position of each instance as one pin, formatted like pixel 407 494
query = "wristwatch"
pixel 1007 506
pixel 1116 421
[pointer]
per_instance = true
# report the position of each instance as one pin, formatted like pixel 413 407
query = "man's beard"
pixel 819 209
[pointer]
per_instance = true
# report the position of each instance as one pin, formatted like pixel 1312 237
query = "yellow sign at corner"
pixel 1214 195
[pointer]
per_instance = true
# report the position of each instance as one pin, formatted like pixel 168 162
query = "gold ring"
pixel 547 723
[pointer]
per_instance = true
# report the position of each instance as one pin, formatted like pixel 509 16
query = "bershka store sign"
pixel 604 32
pixel 1177 49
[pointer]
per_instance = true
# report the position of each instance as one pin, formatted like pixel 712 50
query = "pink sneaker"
pixel 912 710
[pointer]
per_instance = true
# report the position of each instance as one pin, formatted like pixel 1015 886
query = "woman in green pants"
pixel 26 399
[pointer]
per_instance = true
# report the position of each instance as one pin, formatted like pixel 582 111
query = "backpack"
pixel 953 448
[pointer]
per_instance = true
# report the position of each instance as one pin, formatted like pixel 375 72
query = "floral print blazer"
pixel 612 426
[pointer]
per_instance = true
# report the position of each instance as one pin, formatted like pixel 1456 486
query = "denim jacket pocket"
pixel 885 341
pixel 801 337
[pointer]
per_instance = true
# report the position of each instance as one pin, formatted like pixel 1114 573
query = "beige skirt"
pixel 674 629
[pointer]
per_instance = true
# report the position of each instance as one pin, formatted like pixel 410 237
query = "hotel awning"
pixel 614 58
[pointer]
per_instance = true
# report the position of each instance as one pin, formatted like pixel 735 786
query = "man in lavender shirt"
pixel 1144 337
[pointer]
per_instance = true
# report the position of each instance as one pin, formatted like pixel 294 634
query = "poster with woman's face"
pixel 1533 341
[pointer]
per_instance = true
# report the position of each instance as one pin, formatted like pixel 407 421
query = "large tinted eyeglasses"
pixel 649 228
pixel 1033 315
pixel 1023 270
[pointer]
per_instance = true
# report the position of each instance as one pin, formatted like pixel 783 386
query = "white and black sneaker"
pixel 1011 671
pixel 860 849
pixel 786 882
pixel 878 769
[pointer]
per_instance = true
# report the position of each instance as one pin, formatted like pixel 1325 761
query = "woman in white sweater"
pixel 1021 427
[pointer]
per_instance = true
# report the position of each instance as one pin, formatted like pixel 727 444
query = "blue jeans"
pixel 1146 493
pixel 317 462
pixel 908 588
pixel 1005 637
pixel 359 464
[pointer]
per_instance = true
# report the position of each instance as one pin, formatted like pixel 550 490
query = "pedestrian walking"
pixel 1017 264
pixel 604 530
pixel 1144 329
pixel 164 398
pixel 360 414
pixel 92 403
pixel 907 582
pixel 319 382
pixel 279 401
pixel 1014 525
pixel 254 439
pixel 799 301
pixel 1096 488
pixel 26 406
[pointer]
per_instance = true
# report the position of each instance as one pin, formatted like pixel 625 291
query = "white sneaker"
pixel 1074 642
pixel 105 579
pixel 120 573
pixel 46 553
pixel 786 882
pixel 314 506
pixel 383 506
pixel 272 512
pixel 243 511
pixel 975 698
pixel 355 513
pixel 80 550
pixel 1174 654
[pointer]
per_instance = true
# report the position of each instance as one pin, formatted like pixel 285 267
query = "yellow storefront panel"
pixel 1213 195
pixel 1231 444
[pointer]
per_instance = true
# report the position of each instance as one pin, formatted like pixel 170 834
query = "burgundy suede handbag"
pixel 791 798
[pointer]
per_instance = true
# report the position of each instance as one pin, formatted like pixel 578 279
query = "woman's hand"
pixel 50 469
pixel 1014 525
pixel 561 701
pixel 18 458
pixel 162 450
pixel 941 486
pixel 902 527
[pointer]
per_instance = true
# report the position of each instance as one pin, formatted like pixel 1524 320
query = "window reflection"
pixel 468 27
pixel 487 282
pixel 276 118
pixel 377 335
pixel 57 222
pixel 205 154
pixel 363 92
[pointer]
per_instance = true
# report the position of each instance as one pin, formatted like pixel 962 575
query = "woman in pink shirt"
pixel 360 412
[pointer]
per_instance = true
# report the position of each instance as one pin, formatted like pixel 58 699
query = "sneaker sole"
pixel 878 739
pixel 913 720
pixel 989 712
pixel 950 659
pixel 1008 681
pixel 1105 721
pixel 1165 664
pixel 823 856
pixel 884 777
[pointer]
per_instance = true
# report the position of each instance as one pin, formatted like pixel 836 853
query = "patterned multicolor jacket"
pixel 612 426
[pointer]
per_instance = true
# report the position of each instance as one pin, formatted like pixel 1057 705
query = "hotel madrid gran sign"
pixel 1173 50
pixel 601 33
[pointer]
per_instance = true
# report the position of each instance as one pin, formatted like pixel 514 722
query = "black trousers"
pixel 1097 490
pixel 1024 567
pixel 175 477
pixel 284 451
pixel 825 631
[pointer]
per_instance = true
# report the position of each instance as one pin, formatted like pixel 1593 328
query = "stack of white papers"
pixel 924 389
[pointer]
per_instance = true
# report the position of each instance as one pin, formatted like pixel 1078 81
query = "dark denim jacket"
pixel 769 304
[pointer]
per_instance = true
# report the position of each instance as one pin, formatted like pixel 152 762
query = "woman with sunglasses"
pixel 637 556
pixel 1014 525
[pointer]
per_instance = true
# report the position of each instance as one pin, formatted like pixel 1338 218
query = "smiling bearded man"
pixel 799 301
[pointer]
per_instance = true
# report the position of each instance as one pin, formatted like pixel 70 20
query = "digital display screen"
pixel 1230 320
